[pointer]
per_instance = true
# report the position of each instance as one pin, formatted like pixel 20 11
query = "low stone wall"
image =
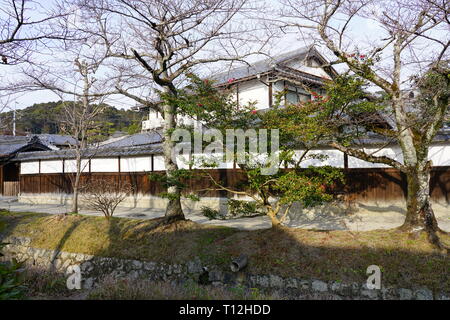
pixel 93 268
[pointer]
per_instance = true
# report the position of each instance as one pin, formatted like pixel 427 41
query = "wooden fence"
pixel 360 184
pixel 11 188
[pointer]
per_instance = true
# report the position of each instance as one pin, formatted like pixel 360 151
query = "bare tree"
pixel 79 119
pixel 76 74
pixel 27 28
pixel 79 116
pixel 104 195
pixel 81 103
pixel 413 38
pixel 5 101
pixel 156 43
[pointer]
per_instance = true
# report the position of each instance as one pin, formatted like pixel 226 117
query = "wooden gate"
pixel 11 188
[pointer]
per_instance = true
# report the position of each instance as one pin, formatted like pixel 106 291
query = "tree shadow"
pixel 440 184
pixel 9 222
pixel 63 240
pixel 303 254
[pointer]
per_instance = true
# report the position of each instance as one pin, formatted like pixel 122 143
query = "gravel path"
pixel 364 218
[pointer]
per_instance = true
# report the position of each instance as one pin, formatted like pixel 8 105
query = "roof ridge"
pixel 263 65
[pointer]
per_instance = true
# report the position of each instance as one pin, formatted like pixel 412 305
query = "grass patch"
pixel 42 284
pixel 327 255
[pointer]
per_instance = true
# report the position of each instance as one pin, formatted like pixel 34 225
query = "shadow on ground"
pixel 326 255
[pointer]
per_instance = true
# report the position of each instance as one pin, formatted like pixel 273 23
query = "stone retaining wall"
pixel 93 268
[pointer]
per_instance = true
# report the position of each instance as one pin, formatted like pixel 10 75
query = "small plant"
pixel 211 214
pixel 244 208
pixel 105 195
pixel 45 283
pixel 10 284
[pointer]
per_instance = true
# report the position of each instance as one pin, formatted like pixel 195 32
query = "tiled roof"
pixel 131 145
pixel 138 139
pixel 261 66
pixel 9 144
pixel 276 63
pixel 56 139
pixel 90 153
pixel 12 144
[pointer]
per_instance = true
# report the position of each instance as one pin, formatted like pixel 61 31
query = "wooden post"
pixel 270 94
pixel 237 94
pixel 40 176
pixel 223 177
pixel 1 180
pixel 120 178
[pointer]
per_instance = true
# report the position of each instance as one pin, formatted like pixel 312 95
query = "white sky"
pixel 364 30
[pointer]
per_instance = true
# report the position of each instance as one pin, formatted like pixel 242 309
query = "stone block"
pixel 372 294
pixel 424 294
pixel 291 283
pixel 149 266
pixel 405 294
pixel 276 282
pixel 320 286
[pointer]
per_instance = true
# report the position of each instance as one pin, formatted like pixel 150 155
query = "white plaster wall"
pixel 52 166
pixel 252 91
pixel 158 163
pixel 105 165
pixel 183 161
pixel 299 64
pixel 440 155
pixel 319 72
pixel 29 167
pixel 333 158
pixel 70 166
pixel 391 152
pixel 136 164
pixel 218 158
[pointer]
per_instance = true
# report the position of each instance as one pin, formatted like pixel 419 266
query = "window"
pixel 312 62
pixel 293 97
pixel 304 97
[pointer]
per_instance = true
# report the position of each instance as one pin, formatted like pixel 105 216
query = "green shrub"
pixel 211 213
pixel 244 208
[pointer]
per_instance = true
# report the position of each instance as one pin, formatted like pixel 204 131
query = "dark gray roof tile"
pixel 90 153
pixel 133 140
pixel 261 66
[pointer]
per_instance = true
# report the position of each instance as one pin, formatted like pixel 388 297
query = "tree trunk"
pixel 174 211
pixel 276 223
pixel 419 214
pixel 75 200
pixel 76 183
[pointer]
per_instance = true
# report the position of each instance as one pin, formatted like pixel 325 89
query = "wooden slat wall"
pixel 11 188
pixel 373 184
pixel 361 184
pixel 440 184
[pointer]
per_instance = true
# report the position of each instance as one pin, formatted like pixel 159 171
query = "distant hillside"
pixel 45 117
